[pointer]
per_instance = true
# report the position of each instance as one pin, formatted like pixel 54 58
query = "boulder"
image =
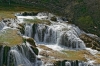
pixel 31 41
pixel 53 18
pixel 90 42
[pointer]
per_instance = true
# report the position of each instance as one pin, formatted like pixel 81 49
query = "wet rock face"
pixel 33 45
pixel 5 50
pixel 90 42
pixel 27 14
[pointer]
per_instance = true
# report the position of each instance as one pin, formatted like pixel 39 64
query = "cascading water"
pixel 77 63
pixel 2 24
pixel 45 34
pixel 19 56
pixel 22 58
pixel 57 33
pixel 28 30
pixel 74 63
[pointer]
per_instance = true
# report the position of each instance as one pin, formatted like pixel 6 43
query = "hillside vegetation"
pixel 84 13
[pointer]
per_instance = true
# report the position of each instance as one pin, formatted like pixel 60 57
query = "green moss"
pixel 10 37
pixel 37 21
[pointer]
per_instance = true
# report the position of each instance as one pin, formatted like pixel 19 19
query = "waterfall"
pixel 71 40
pixel 28 30
pixel 2 24
pixel 67 64
pixel 56 33
pixel 45 34
pixel 19 56
pixel 75 63
pixel 19 59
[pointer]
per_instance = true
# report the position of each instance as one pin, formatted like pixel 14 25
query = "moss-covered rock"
pixel 12 43
pixel 10 37
pixel 31 41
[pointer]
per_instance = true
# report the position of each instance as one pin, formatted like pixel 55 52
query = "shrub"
pixel 85 21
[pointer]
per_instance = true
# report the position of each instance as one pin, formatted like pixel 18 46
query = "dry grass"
pixel 10 37
pixel 77 55
pixel 6 14
pixel 50 55
pixel 97 59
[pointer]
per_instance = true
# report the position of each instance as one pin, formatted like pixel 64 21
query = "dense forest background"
pixel 83 13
